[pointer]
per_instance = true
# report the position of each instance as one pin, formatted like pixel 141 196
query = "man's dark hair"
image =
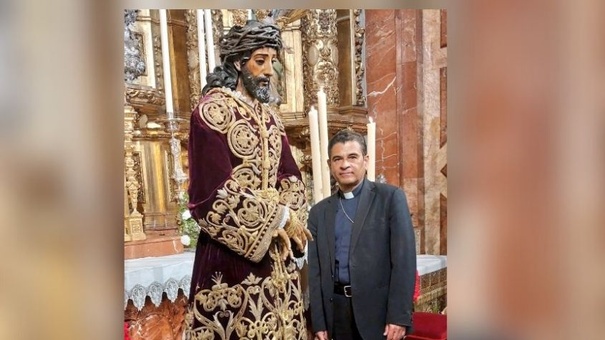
pixel 348 135
pixel 237 45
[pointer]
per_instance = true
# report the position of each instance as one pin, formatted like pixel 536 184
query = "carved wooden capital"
pixel 144 98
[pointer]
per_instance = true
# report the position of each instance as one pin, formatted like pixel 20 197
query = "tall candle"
pixel 166 63
pixel 209 40
pixel 201 45
pixel 371 150
pixel 323 136
pixel 315 155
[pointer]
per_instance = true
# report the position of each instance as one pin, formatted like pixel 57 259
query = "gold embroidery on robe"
pixel 242 214
pixel 238 219
pixel 269 308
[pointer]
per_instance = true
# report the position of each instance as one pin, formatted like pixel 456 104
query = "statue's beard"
pixel 258 87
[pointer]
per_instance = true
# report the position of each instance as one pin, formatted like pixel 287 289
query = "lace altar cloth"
pixel 153 276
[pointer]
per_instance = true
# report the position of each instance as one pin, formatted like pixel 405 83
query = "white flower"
pixel 185 240
pixel 186 214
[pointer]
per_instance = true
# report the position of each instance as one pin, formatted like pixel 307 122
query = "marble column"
pixel 434 62
pixel 407 99
pixel 393 54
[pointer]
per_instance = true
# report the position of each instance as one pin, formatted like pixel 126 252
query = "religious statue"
pixel 247 195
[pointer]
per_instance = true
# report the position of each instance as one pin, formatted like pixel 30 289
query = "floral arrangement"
pixel 188 227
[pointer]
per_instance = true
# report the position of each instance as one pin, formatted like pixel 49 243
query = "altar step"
pixel 153 246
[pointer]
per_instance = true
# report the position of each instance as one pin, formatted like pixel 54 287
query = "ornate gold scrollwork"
pixel 319 37
pixel 133 220
pixel 359 35
pixel 217 30
pixel 193 58
pixel 240 16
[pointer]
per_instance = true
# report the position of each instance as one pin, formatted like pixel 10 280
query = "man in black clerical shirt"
pixel 362 261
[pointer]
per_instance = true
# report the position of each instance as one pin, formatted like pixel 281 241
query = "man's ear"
pixel 237 66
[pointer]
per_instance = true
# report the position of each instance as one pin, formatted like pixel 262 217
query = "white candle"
pixel 371 143
pixel 323 136
pixel 166 63
pixel 249 14
pixel 209 40
pixel 315 155
pixel 201 44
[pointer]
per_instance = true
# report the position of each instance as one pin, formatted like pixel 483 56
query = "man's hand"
pixel 323 335
pixel 284 244
pixel 394 332
pixel 297 231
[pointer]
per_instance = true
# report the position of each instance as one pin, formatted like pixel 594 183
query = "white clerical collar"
pixel 348 195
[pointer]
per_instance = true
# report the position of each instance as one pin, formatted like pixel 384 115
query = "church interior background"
pixel 388 66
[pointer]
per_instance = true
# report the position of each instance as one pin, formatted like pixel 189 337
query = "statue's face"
pixel 257 73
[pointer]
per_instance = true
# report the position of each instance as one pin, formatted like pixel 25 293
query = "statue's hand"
pixel 298 232
pixel 283 242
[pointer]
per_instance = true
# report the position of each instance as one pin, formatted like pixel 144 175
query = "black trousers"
pixel 344 321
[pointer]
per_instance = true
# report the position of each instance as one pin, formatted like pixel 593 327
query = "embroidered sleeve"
pixel 238 217
pixel 290 184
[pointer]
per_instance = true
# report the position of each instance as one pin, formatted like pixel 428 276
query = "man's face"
pixel 257 72
pixel 348 165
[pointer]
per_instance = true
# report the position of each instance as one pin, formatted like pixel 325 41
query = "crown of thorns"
pixel 249 37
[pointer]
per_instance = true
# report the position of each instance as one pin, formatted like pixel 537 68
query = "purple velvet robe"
pixel 242 179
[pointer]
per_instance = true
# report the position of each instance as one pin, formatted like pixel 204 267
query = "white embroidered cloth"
pixel 153 276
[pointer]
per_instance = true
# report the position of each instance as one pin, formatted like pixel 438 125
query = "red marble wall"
pixel 393 53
